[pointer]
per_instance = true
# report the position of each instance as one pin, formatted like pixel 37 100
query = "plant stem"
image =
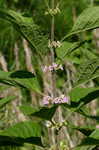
pixel 52 49
pixel 52 32
pixel 53 87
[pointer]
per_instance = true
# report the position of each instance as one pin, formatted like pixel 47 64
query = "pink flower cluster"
pixel 97 126
pixel 52 67
pixel 58 100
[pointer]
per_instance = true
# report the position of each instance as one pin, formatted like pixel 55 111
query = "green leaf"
pixel 88 19
pixel 88 142
pixel 80 93
pixel 24 129
pixel 86 130
pixel 6 100
pixel 20 133
pixel 25 25
pixel 93 117
pixel 95 134
pixel 67 48
pixel 92 140
pixel 26 79
pixel 82 96
pixel 43 113
pixel 20 78
pixel 74 52
pixel 28 110
pixel 87 71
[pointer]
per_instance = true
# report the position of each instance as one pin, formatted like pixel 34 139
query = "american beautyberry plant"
pixel 53 78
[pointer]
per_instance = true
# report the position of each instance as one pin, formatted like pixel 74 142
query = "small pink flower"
pixel 58 100
pixel 61 99
pixel 55 65
pixel 65 99
pixel 97 126
pixel 46 100
pixel 50 68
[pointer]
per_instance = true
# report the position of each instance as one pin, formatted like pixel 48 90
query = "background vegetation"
pixel 27 31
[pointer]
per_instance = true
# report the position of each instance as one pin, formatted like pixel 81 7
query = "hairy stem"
pixel 52 32
pixel 53 87
pixel 52 48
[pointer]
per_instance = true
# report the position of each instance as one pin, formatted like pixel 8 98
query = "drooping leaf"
pixel 23 132
pixel 82 96
pixel 80 93
pixel 67 48
pixel 95 134
pixel 28 129
pixel 74 52
pixel 6 100
pixel 20 78
pixel 93 117
pixel 43 113
pixel 77 104
pixel 26 79
pixel 25 25
pixel 88 19
pixel 87 71
pixel 28 110
pixel 89 141
pixel 86 130
pixel 92 140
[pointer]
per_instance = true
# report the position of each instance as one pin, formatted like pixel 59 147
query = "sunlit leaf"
pixel 26 27
pixel 20 133
pixel 92 140
pixel 20 78
pixel 65 50
pixel 88 19
pixel 78 94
